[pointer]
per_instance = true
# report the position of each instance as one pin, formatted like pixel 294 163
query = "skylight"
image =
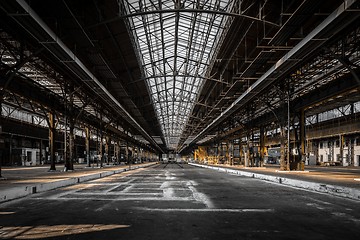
pixel 176 40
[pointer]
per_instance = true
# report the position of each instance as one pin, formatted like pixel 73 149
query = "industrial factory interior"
pixel 180 119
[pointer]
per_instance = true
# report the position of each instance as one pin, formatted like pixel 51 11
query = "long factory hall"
pixel 204 119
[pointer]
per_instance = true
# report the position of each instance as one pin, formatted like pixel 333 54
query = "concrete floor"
pixel 179 202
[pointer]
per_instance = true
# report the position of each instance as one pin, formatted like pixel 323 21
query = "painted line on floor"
pixel 23 191
pixel 227 210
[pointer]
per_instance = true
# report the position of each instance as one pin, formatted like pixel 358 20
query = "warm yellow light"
pixel 45 231
pixel 40 180
pixel 6 213
pixel 24 168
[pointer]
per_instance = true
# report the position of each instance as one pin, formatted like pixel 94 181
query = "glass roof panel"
pixel 176 40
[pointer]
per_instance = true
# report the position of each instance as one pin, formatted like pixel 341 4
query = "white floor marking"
pixel 315 205
pixel 168 193
pixel 123 198
pixel 165 186
pixel 346 216
pixel 111 189
pixel 200 197
pixel 244 210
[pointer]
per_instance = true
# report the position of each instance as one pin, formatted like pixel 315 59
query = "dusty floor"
pixel 179 202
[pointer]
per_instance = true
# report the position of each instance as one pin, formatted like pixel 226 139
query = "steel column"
pixel 342 159
pixel 262 145
pixel 107 140
pixel 87 145
pixel 283 163
pixel 51 141
pixel 302 136
pixel 70 160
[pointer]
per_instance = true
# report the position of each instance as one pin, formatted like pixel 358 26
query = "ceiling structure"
pixel 293 59
pixel 171 74
pixel 96 65
pixel 176 41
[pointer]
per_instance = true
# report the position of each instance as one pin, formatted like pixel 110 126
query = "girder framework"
pixel 265 65
pixel 323 87
pixel 195 69
pixel 80 57
pixel 31 89
pixel 176 41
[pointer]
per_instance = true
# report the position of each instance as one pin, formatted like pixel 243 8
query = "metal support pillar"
pixel 342 160
pixel 227 153
pixel 106 155
pixel 252 149
pixel 331 157
pixel 115 152
pixel 11 151
pixel 352 152
pixel 288 133
pixel 262 145
pixel 51 141
pixel 247 156
pixel 283 164
pixel 69 146
pixel 302 153
pixel 241 152
pixel 101 148
pixel 66 157
pixel 127 152
pixel 87 145
pixel 232 152
pixel 284 119
pixel 69 161
pixel 350 146
pixel 118 152
pixel 135 153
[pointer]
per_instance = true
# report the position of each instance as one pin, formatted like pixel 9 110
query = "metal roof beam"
pixel 264 81
pixel 68 54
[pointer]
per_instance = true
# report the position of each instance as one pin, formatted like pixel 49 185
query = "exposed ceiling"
pixel 176 41
pixel 172 73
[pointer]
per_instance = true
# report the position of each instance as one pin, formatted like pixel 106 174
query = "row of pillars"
pixel 69 147
pixel 287 162
pixel 104 157
pixel 69 136
pixel 254 154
